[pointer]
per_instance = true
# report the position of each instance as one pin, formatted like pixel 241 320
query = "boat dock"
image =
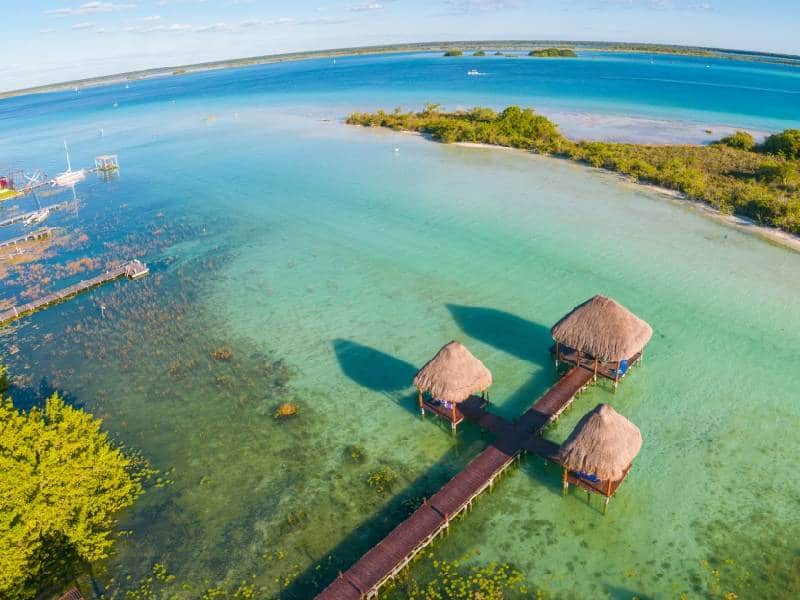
pixel 39 234
pixel 46 210
pixel 132 270
pixel 388 558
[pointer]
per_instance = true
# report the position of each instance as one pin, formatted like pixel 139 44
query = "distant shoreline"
pixel 513 45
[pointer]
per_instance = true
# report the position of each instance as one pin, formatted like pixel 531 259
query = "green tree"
pixel 786 143
pixel 62 483
pixel 740 139
pixel 453 53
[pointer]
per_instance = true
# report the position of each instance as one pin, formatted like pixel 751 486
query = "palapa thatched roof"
pixel 603 443
pixel 453 374
pixel 604 329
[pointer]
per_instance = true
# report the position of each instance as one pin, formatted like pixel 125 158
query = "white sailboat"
pixel 69 177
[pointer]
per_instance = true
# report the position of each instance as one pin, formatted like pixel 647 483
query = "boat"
pixel 473 72
pixel 69 177
pixel 37 216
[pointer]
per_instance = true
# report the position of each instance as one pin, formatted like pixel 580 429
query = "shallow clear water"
pixel 334 261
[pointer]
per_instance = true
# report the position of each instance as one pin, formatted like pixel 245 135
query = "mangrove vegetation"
pixel 553 53
pixel 734 175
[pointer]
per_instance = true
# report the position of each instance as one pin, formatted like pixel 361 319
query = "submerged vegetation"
pixel 462 579
pixel 553 53
pixel 761 183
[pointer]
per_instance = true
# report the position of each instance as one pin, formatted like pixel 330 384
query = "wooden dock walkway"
pixel 132 270
pixel 388 558
pixel 39 234
pixel 23 216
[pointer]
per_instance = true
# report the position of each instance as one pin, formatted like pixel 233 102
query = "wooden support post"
pixel 558 354
pixel 577 358
pixel 565 488
pixel 421 402
pixel 608 497
pixel 616 377
pixel 595 369
pixel 453 417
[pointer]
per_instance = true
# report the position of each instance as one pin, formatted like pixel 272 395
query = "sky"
pixel 49 41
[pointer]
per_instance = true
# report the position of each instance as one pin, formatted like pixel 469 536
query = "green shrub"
pixel 553 53
pixel 786 144
pixel 741 140
pixel 453 53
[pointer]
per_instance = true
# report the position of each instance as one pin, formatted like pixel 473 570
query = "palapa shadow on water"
pixel 516 336
pixel 505 331
pixel 377 371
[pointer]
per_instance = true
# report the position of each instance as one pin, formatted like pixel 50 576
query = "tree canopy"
pixel 786 144
pixel 740 139
pixel 553 53
pixel 62 483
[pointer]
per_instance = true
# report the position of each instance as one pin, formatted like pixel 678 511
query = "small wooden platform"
pixel 604 369
pixel 132 270
pixel 389 557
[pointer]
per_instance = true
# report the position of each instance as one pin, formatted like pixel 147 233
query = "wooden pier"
pixel 39 234
pixel 132 270
pixel 388 558
pixel 23 216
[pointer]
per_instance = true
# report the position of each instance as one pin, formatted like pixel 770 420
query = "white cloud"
pixel 152 18
pixel 82 26
pixel 365 7
pixel 253 23
pixel 89 8
pixel 214 27
pixel 479 6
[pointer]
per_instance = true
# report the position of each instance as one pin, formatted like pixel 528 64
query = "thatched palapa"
pixel 603 443
pixel 604 329
pixel 453 375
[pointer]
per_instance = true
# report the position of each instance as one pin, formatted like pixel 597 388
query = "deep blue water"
pixel 719 91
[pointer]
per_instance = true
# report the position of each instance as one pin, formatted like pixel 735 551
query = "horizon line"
pixel 356 50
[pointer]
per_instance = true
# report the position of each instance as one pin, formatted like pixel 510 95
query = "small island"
pixel 453 53
pixel 734 175
pixel 553 53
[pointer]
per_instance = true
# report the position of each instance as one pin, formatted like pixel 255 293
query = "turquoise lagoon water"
pixel 334 261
